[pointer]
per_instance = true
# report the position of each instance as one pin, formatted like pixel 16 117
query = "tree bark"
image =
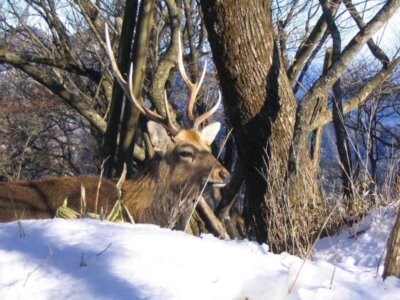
pixel 258 97
pixel 392 261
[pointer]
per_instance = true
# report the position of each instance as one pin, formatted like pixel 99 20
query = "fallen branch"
pixel 210 219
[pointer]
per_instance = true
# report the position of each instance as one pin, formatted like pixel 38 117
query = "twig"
pixel 99 184
pixel 333 275
pixel 40 265
pixel 104 250
pixel 82 263
pixel 20 227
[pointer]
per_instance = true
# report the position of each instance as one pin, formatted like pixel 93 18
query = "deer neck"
pixel 153 196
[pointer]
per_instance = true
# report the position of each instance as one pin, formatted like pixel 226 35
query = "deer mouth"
pixel 218 179
pixel 218 184
pixel 215 183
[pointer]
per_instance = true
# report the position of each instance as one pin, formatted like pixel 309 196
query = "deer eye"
pixel 186 153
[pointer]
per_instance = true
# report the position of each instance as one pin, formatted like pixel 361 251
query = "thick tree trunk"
pixel 258 97
pixel 283 200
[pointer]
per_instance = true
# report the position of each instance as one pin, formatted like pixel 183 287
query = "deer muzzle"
pixel 220 177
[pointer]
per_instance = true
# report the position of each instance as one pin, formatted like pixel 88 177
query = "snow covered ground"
pixel 88 259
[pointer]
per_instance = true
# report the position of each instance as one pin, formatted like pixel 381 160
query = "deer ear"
pixel 209 132
pixel 158 137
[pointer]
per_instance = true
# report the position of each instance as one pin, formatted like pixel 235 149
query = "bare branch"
pixel 361 97
pixel 57 88
pixel 355 46
pixel 310 43
pixel 211 220
pixel 375 50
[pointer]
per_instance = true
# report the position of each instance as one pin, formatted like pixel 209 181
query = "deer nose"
pixel 225 176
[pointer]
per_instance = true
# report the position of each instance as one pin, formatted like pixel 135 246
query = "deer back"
pixel 40 198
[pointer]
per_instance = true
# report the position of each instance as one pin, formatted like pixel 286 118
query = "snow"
pixel 88 259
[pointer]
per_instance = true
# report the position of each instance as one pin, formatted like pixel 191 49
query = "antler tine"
pixel 180 64
pixel 200 119
pixel 166 122
pixel 114 65
pixel 128 90
pixel 193 87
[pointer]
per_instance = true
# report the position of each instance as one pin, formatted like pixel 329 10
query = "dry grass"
pixel 119 212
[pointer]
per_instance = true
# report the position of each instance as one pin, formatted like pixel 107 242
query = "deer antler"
pixel 128 90
pixel 194 90
pixel 200 119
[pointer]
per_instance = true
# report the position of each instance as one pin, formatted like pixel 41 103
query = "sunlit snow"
pixel 88 259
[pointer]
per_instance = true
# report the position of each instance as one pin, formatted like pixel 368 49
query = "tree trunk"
pixel 259 100
pixel 392 262
pixel 109 147
pixel 139 58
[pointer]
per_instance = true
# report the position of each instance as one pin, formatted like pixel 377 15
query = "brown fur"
pixel 162 194
pixel 40 198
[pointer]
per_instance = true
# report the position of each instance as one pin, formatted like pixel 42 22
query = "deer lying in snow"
pixel 164 193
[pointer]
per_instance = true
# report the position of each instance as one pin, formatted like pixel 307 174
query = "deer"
pixel 163 193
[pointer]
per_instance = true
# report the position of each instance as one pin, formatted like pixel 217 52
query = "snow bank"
pixel 88 259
